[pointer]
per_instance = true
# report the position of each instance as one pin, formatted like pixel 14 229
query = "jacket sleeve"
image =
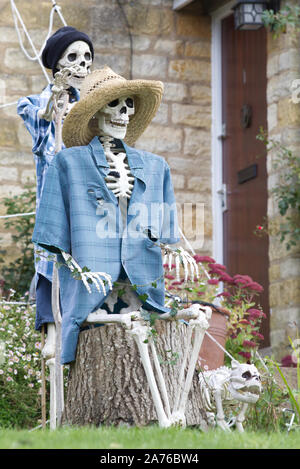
pixel 39 129
pixel 52 226
pixel 169 231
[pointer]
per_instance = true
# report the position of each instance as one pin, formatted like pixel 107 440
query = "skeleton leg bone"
pixel 140 334
pixel 241 417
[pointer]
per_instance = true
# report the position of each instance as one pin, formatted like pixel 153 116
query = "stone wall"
pixel 144 38
pixel 283 125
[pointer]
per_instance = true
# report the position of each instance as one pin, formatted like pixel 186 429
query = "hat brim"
pixel 80 126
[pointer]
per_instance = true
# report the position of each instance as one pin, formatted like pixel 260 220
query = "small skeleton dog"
pixel 229 386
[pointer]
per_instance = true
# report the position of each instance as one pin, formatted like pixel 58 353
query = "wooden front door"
pixel 244 110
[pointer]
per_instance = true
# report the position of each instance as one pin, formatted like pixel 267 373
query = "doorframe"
pixel 216 129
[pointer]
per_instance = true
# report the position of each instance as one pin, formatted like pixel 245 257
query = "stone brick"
pixel 189 70
pixel 272 116
pixel 150 21
pixel 16 61
pixel 198 49
pixel 8 133
pixel 178 181
pixel 28 176
pixel 197 141
pixel 9 190
pixel 285 293
pixel 14 157
pixel 118 63
pixel 274 272
pixel 8 34
pixel 191 25
pixel 162 114
pixel 156 139
pixel 149 66
pixel 199 184
pixel 191 115
pixel 289 60
pixel 2 91
pixel 8 174
pixel 175 92
pixel 288 113
pixel 201 93
pixel 168 47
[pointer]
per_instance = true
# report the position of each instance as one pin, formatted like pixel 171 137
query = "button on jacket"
pixel 80 216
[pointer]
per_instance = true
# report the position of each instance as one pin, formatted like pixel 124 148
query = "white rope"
pixel 8 104
pixel 220 346
pixel 17 17
pixel 17 215
pixel 37 55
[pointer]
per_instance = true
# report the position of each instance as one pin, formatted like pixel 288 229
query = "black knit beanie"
pixel 57 44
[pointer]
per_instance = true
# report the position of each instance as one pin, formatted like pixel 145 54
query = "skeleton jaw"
pixel 249 394
pixel 113 127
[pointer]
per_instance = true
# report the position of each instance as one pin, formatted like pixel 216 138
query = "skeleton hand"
pixel 60 84
pixel 88 277
pixel 185 258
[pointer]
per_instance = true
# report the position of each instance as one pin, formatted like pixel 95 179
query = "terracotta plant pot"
pixel 211 356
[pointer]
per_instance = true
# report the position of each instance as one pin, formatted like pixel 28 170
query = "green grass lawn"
pixel 145 438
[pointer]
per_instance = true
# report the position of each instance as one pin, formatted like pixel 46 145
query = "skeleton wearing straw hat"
pixel 107 210
pixel 69 54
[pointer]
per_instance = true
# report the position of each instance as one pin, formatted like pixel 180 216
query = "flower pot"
pixel 211 356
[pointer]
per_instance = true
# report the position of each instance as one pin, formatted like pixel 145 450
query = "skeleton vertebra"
pixel 223 386
pixel 77 54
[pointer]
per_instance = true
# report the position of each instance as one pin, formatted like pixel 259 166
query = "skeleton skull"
pixel 78 54
pixel 245 382
pixel 114 117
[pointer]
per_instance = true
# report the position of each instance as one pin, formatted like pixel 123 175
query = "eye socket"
pixel 71 57
pixel 113 103
pixel 129 102
pixel 246 375
pixel 87 56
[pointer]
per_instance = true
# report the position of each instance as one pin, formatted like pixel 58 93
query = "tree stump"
pixel 107 383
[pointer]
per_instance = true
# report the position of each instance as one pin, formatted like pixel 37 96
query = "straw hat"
pixel 100 88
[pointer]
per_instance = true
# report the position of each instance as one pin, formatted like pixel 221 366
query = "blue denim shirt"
pixel 80 215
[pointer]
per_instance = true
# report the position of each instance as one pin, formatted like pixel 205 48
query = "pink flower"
pixel 213 281
pixel 226 294
pixel 245 354
pixel 242 279
pixel 200 293
pixel 288 360
pixel 244 321
pixel 249 343
pixel 199 258
pixel 217 266
pixel 257 334
pixel 176 283
pixel 255 313
pixel 170 277
pixel 226 278
pixel 254 286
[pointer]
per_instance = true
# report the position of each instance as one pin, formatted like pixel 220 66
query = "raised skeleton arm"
pixel 60 85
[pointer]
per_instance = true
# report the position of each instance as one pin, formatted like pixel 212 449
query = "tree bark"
pixel 107 382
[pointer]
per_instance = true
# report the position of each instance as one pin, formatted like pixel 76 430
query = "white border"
pixel 216 129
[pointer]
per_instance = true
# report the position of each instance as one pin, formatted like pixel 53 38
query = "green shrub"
pixel 20 375
pixel 18 274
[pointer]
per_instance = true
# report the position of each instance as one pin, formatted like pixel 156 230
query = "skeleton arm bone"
pixel 88 277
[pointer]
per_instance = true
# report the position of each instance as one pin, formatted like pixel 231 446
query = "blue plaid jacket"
pixel 43 144
pixel 80 215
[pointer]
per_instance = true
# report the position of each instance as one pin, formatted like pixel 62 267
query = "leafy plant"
pixel 237 296
pixel 287 193
pixel 17 274
pixel 278 22
pixel 20 375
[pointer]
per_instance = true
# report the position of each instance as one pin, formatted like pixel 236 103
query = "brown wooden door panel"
pixel 244 84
